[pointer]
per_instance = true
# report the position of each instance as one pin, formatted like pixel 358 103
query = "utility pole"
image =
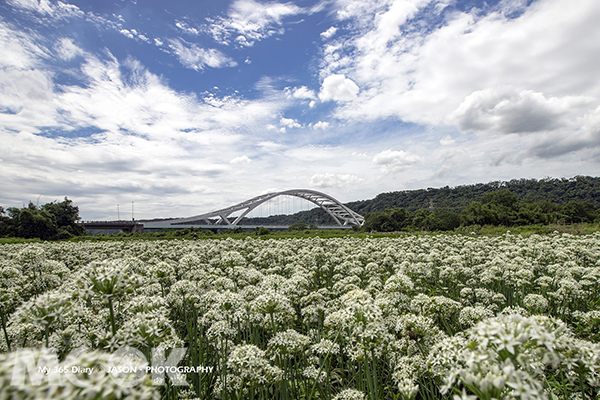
pixel 118 213
pixel 132 219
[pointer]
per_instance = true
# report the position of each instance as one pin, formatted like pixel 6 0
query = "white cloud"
pixel 120 131
pixel 134 34
pixel 506 110
pixel 394 161
pixel 19 50
pixel 270 146
pixel 40 6
pixel 27 90
pixel 289 123
pixel 67 50
pixel 193 57
pixel 457 73
pixel 184 26
pixel 328 180
pixel 359 9
pixel 249 21
pixel 321 125
pixel 447 140
pixel 329 33
pixel 47 8
pixel 302 92
pixel 241 160
pixel 128 33
pixel 338 88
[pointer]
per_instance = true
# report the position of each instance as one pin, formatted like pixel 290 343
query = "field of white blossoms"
pixel 412 317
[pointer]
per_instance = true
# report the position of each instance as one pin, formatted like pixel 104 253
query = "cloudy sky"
pixel 185 106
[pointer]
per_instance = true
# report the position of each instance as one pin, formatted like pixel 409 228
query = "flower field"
pixel 412 317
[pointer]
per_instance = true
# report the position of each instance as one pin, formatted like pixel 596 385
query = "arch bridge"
pixel 341 214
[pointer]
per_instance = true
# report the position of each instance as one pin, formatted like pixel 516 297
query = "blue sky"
pixel 188 106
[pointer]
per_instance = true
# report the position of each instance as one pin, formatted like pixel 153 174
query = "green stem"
pixel 4 327
pixel 113 326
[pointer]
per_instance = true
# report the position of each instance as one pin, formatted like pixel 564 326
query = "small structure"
pixel 112 226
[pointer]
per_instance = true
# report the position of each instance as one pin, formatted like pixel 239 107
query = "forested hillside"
pixel 579 188
pixel 457 199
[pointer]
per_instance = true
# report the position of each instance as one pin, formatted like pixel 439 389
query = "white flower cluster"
pixel 405 317
pixel 64 384
pixel 512 356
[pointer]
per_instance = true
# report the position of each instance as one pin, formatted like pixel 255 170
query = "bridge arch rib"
pixel 341 214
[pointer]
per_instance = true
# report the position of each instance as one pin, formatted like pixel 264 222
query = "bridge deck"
pixel 167 225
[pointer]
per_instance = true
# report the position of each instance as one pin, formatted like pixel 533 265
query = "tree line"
pixel 51 221
pixel 456 199
pixel 499 208
pixel 582 189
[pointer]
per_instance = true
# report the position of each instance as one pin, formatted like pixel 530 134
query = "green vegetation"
pixel 557 191
pixel 51 221
pixel 499 208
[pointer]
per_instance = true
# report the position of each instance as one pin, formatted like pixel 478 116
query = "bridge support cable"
pixel 340 213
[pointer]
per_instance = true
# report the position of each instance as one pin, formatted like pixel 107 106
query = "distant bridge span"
pixel 341 214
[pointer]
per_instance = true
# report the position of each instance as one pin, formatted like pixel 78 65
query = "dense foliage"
pixel 499 208
pixel 558 191
pixel 49 222
pixel 413 317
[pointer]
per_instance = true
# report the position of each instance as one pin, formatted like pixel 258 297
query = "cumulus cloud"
pixel 507 110
pixel 458 72
pixel 321 125
pixel 241 160
pixel 193 57
pixel 329 33
pixel 249 21
pixel 289 123
pixel 394 161
pixel 338 88
pixel 328 180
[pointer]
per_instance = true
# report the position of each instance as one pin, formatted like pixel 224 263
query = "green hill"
pixel 456 199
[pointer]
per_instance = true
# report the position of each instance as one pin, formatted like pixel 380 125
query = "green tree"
pixel 35 223
pixel 501 198
pixel 6 225
pixel 51 221
pixel 443 220
pixel 66 216
pixel 422 219
pixel 392 220
pixel 298 226
pixel 579 211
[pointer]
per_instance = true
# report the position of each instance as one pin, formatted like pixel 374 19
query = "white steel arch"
pixel 339 212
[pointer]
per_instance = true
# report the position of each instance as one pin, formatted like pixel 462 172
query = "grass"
pixel 199 234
